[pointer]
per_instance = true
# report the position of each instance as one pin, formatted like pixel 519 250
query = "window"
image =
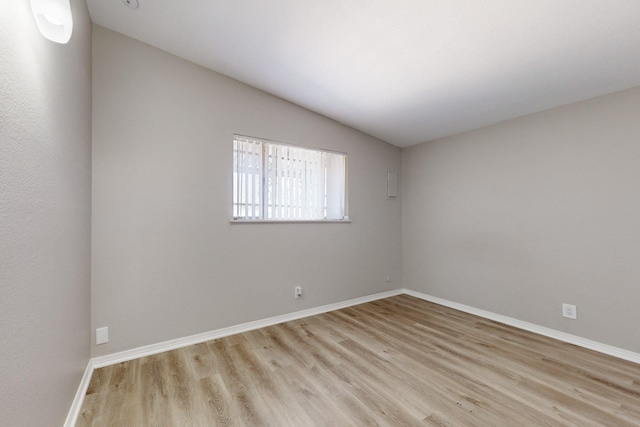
pixel 273 181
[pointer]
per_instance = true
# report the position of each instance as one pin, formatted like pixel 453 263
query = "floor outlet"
pixel 569 311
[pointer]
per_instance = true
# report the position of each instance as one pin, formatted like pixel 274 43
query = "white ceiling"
pixel 405 71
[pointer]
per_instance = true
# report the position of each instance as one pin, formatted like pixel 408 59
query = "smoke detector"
pixel 133 4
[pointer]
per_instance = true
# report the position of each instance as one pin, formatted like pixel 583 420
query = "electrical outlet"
pixel 569 311
pixel 298 291
pixel 102 335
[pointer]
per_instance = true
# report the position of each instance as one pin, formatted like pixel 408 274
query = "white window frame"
pixel 260 174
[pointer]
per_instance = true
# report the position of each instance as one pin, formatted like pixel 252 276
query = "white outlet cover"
pixel 569 311
pixel 102 335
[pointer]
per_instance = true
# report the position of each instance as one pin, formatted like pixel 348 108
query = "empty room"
pixel 319 213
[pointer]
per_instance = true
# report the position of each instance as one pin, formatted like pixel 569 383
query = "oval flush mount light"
pixel 133 4
pixel 54 19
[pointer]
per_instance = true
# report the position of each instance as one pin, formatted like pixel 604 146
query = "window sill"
pixel 290 221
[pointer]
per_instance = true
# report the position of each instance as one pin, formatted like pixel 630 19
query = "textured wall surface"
pixel 166 262
pixel 45 202
pixel 523 216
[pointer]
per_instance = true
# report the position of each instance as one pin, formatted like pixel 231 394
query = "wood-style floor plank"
pixel 399 361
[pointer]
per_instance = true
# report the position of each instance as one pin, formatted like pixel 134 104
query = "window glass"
pixel 273 181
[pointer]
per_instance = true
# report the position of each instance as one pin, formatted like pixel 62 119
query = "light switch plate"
pixel 392 184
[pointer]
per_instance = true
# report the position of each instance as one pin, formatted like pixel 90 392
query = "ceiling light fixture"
pixel 54 19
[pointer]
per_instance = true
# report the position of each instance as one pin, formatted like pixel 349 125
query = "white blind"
pixel 283 182
pixel 247 178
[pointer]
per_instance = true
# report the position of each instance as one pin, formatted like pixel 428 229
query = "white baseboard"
pixel 74 412
pixel 531 327
pixel 112 359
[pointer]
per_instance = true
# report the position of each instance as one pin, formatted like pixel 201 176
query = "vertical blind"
pixel 273 181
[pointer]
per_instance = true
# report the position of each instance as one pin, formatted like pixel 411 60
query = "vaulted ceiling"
pixel 405 71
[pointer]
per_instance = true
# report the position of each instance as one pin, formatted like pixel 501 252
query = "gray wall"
pixel 519 217
pixel 166 261
pixel 45 202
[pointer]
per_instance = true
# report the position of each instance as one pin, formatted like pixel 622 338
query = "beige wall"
pixel 166 261
pixel 45 201
pixel 523 216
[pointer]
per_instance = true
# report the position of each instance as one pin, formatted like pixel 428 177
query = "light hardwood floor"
pixel 393 362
